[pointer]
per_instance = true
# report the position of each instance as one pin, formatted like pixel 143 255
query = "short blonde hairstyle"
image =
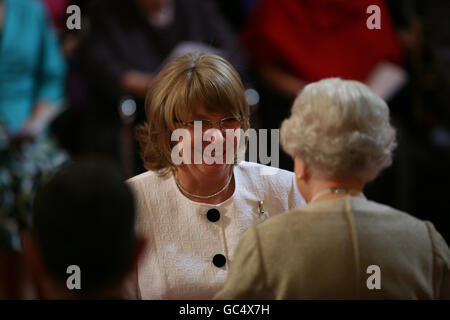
pixel 340 128
pixel 183 84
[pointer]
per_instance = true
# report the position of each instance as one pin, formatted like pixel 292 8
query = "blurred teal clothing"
pixel 31 66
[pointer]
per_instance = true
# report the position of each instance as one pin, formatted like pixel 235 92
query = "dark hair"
pixel 85 216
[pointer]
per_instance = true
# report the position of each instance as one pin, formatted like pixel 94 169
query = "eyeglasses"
pixel 225 123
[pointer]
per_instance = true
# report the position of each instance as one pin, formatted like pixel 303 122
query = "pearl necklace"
pixel 335 190
pixel 205 197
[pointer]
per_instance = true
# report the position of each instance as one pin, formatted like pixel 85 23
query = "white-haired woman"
pixel 340 245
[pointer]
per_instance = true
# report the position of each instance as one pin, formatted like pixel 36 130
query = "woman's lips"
pixel 213 155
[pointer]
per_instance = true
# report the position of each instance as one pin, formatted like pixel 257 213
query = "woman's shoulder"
pixel 273 182
pixel 320 211
pixel 300 218
pixel 148 179
pixel 381 210
pixel 141 176
pixel 258 171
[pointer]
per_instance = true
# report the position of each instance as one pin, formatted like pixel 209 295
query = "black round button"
pixel 219 260
pixel 213 215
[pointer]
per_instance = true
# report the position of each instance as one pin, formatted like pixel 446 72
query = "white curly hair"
pixel 341 129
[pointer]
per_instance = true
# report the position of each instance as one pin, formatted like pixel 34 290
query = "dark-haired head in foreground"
pixel 84 216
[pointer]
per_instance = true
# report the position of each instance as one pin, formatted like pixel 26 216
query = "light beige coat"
pixel 323 250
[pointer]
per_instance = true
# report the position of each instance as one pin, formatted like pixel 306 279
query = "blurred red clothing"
pixel 57 12
pixel 320 39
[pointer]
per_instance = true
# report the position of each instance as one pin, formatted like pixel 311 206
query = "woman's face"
pixel 213 141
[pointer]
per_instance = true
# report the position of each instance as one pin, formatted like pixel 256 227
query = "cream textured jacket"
pixel 324 250
pixel 179 263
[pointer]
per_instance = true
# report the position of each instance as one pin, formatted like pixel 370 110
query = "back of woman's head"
pixel 85 216
pixel 341 128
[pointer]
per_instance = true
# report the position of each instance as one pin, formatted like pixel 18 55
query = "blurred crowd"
pixel 68 93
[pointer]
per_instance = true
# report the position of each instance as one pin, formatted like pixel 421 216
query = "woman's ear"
pixel 300 168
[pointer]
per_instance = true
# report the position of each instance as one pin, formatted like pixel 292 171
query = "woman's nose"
pixel 214 135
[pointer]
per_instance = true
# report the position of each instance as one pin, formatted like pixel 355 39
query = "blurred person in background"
pixel 69 127
pixel 128 43
pixel 195 212
pixel 294 42
pixel 434 114
pixel 421 114
pixel 340 137
pixel 31 90
pixel 23 166
pixel 32 69
pixel 83 216
pixel 236 11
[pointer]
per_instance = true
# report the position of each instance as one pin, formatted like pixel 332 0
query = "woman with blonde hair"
pixel 192 212
pixel 340 245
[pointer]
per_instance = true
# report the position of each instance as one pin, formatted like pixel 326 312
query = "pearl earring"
pixel 299 176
